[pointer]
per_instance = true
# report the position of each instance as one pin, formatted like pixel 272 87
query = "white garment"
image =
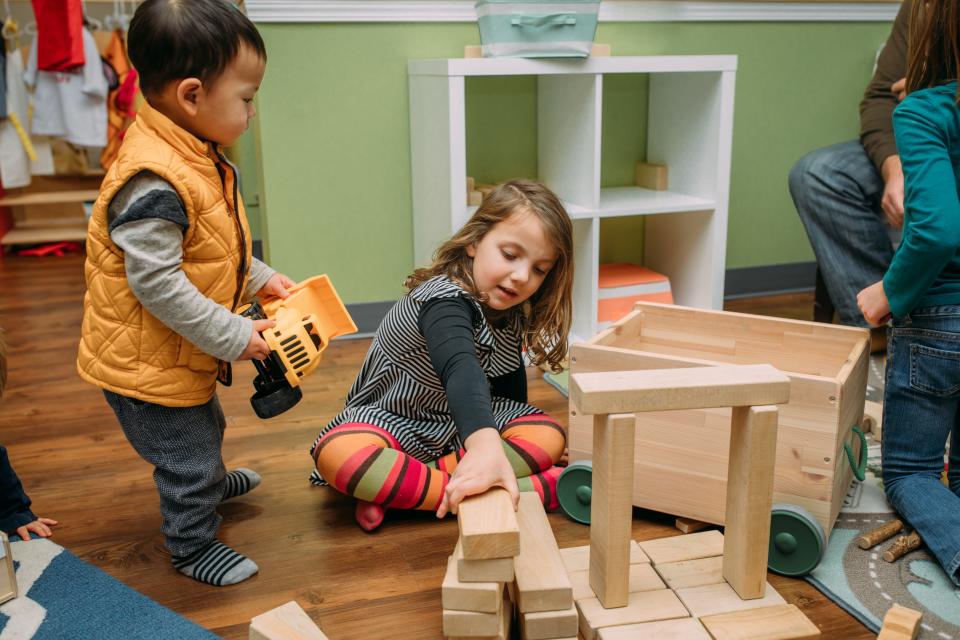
pixel 14 162
pixel 72 106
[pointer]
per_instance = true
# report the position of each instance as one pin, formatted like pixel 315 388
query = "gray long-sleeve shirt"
pixel 147 221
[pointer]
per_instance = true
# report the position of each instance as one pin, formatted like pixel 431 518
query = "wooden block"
pixel 473 623
pixel 473 51
pixel 471 184
pixel 542 625
pixel 873 418
pixel 611 511
pixel 542 582
pixel 692 573
pixel 491 570
pixel 689 525
pixel 900 623
pixel 578 558
pixel 488 526
pixel 781 622
pixel 643 577
pixel 643 606
pixel 602 50
pixel 652 176
pixel 505 622
pixel 8 577
pixel 474 199
pixel 711 599
pixel 746 537
pixel 704 544
pixel 670 389
pixel 286 622
pixel 679 629
pixel 484 597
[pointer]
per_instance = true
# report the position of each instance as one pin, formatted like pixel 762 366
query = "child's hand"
pixel 257 348
pixel 483 466
pixel 874 304
pixel 40 526
pixel 276 287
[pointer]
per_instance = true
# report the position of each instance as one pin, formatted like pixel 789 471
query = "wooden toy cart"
pixel 680 458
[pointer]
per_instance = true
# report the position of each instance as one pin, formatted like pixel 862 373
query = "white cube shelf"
pixel 689 128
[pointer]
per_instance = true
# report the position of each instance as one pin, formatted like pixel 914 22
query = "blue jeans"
pixel 837 192
pixel 921 410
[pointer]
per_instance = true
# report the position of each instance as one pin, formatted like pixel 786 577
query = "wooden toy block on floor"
pixel 689 525
pixel 286 622
pixel 542 582
pixel 652 176
pixel 578 558
pixel 483 597
pixel 473 623
pixel 643 606
pixel 710 599
pixel 692 573
pixel 544 625
pixel 900 623
pixel 752 446
pixel 488 526
pixel 642 577
pixel 781 622
pixel 680 629
pixel 490 570
pixel 704 544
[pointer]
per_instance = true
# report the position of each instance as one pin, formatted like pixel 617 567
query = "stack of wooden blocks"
pixel 506 561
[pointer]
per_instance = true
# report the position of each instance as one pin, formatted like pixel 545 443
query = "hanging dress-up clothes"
pixel 59 30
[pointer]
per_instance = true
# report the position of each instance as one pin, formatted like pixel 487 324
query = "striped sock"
pixel 240 481
pixel 216 564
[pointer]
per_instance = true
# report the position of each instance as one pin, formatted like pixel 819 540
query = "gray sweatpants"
pixel 184 446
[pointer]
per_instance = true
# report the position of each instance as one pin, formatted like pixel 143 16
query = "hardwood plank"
pixel 542 582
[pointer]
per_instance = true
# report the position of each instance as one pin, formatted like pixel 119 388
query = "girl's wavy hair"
pixel 933 54
pixel 548 311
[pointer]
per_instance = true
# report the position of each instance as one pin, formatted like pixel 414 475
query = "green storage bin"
pixel 537 29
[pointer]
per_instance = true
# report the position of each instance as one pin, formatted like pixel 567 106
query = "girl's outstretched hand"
pixel 40 526
pixel 483 466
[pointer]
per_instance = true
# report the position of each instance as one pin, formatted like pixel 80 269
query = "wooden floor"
pixel 68 449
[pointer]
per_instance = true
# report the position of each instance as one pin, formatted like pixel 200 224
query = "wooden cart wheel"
pixel 797 541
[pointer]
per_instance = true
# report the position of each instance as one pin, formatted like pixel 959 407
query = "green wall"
pixel 333 134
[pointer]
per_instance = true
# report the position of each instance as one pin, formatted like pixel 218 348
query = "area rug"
pixel 865 585
pixel 61 596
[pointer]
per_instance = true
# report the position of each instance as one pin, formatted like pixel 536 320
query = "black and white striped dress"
pixel 399 391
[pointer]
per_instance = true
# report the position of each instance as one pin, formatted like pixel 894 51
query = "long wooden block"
pixel 488 526
pixel 900 623
pixel 611 511
pixel 643 577
pixel 542 582
pixel 643 606
pixel 781 622
pixel 679 629
pixel 652 176
pixel 543 625
pixel 490 570
pixel 711 599
pixel 484 597
pixel 692 573
pixel 506 621
pixel 286 622
pixel 472 623
pixel 703 544
pixel 689 525
pixel 671 389
pixel 746 538
pixel 578 558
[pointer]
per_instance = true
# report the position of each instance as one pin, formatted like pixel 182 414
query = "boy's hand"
pixel 276 287
pixel 483 466
pixel 40 526
pixel 257 348
pixel 874 304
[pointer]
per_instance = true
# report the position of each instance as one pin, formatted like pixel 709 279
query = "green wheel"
pixel 797 541
pixel 574 489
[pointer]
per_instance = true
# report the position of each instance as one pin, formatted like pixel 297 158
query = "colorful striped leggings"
pixel 364 461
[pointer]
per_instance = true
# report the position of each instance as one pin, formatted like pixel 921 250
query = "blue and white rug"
pixel 61 596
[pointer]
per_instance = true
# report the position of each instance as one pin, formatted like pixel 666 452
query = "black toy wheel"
pixel 269 404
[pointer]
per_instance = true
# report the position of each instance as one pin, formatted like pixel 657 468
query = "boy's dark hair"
pixel 174 39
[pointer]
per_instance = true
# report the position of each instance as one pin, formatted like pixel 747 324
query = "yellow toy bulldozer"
pixel 306 321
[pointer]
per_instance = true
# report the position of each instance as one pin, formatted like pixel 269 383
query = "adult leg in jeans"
pixel 837 192
pixel 921 402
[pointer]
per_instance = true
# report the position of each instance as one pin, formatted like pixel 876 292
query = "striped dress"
pixel 399 391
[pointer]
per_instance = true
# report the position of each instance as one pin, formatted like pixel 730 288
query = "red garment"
pixel 59 34
pixel 122 101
